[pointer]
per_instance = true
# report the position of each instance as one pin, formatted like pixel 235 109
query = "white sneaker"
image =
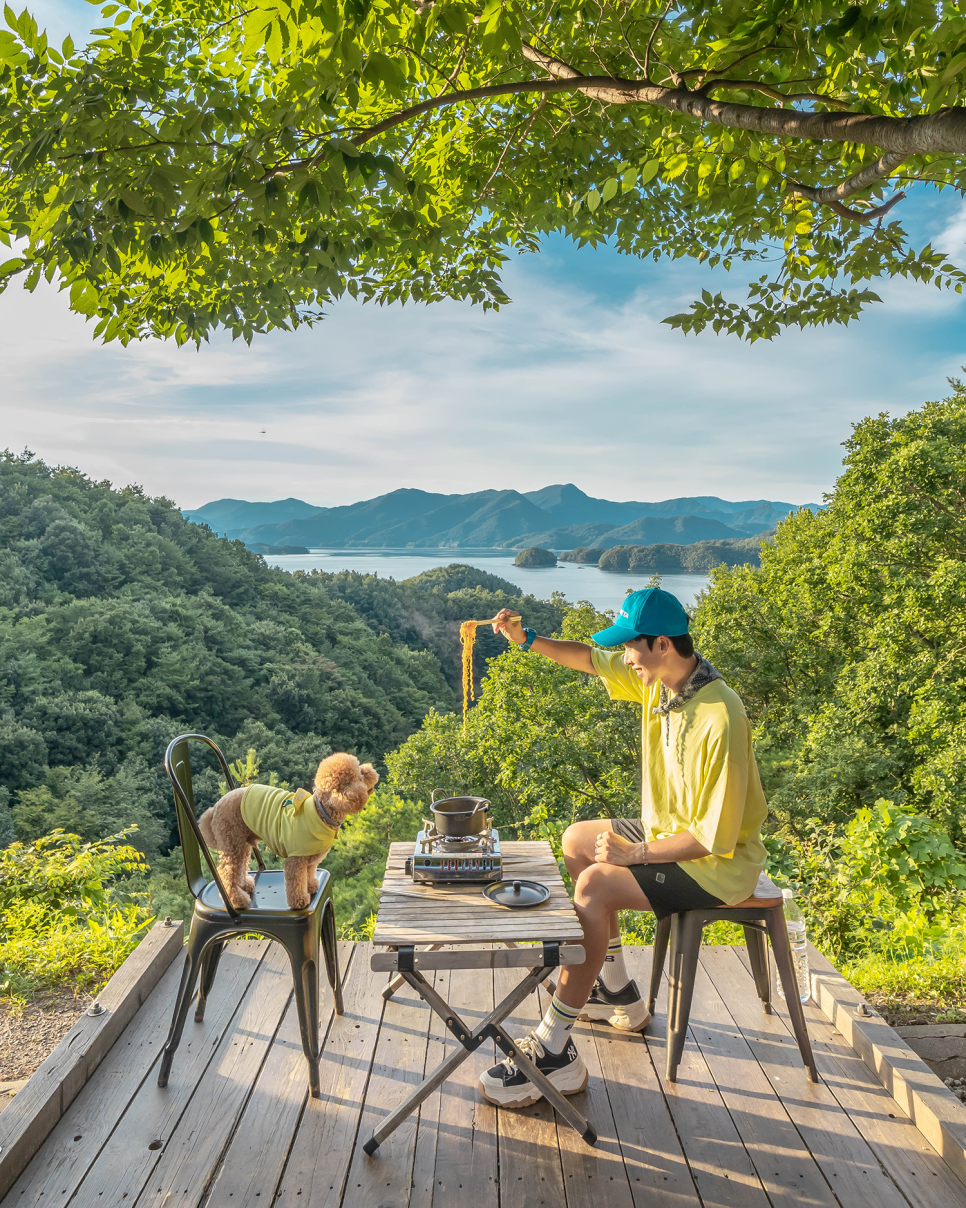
pixel 507 1086
pixel 622 1009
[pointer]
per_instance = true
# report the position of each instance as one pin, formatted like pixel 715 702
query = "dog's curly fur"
pixel 342 786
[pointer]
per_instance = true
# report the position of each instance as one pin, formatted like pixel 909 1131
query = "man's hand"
pixel 614 849
pixel 510 624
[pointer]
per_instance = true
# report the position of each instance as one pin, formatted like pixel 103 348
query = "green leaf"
pixel 83 297
pixel 610 188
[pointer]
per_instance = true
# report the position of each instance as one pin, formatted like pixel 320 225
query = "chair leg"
pixel 658 957
pixel 330 952
pixel 209 967
pixel 305 976
pixel 193 960
pixel 783 963
pixel 686 930
pixel 758 958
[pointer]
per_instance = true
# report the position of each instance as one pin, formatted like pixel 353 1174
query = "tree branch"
pixel 650 42
pixel 938 133
pixel 767 90
pixel 834 195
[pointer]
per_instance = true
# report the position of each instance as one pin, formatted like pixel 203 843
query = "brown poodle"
pixel 298 826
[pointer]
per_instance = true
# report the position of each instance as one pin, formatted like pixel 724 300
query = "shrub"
pixel 65 915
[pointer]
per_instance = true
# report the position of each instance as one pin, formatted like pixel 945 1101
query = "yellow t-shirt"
pixel 286 821
pixel 699 775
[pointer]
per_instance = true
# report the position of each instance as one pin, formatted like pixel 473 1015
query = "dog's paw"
pixel 240 899
pixel 299 901
pixel 249 884
pixel 313 886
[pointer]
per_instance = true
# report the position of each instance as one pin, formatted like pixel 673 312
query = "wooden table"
pixel 414 913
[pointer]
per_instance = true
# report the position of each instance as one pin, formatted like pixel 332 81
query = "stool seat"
pixel 759 916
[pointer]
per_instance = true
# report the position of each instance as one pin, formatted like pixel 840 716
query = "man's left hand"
pixel 614 849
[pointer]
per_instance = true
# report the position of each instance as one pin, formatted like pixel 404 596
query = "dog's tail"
pixel 204 825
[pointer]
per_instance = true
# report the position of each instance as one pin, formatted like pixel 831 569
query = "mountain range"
pixel 557 517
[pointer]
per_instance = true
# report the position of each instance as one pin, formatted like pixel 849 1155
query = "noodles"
pixel 467 639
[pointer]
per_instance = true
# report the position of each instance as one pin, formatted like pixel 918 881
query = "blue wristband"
pixel 531 635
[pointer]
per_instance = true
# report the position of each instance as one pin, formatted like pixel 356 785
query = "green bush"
pixel 66 915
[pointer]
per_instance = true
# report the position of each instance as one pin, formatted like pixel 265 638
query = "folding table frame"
pixel 408 962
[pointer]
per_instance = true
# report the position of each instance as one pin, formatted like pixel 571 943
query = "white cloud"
pixel 564 385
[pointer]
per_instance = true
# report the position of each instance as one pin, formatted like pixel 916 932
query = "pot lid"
pixel 516 894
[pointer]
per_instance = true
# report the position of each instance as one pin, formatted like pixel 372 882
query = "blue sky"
pixel 576 381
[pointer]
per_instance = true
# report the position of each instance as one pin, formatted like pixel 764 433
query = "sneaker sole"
pixel 525 1096
pixel 618 1020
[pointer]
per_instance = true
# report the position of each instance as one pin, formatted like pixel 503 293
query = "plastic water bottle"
pixel 795 926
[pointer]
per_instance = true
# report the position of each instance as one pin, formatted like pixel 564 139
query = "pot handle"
pixel 483 805
pixel 432 795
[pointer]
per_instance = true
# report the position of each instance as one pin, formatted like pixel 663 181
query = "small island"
pixel 534 555
pixel 588 555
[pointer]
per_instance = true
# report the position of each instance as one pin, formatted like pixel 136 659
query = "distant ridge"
pixel 557 517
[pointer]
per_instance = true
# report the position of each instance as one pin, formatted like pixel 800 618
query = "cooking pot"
pixel 459 816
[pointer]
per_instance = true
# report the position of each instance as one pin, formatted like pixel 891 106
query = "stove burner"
pixel 449 858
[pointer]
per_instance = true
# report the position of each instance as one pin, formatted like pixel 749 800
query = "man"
pixel 698 842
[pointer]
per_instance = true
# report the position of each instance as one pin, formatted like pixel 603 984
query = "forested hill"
pixel 121 624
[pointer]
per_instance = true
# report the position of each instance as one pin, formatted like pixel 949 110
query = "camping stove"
pixel 469 858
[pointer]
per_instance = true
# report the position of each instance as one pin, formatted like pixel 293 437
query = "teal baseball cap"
pixel 649 611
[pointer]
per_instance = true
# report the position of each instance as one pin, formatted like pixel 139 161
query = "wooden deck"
pixel 235 1126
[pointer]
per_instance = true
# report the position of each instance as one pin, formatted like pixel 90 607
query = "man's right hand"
pixel 510 624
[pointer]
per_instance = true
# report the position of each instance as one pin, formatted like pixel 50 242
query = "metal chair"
pixel 759 916
pixel 214 920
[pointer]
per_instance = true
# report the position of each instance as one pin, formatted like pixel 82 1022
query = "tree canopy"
pixel 242 166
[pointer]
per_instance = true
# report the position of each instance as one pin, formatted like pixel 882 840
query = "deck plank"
pixel 657 1170
pixel 466 1146
pixel 318 1160
pixel 918 1170
pixel 530 1170
pixel 722 1171
pixel 74 1144
pixel 271 1115
pixel 427 1133
pixel 920 1173
pixel 741 1126
pixel 784 1164
pixel 592 1175
pixel 109 1165
pixel 849 1165
pixel 191 1154
pixel 397 1069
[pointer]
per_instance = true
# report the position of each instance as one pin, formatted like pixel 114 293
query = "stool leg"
pixel 657 959
pixel 686 931
pixel 330 952
pixel 193 960
pixel 782 952
pixel 209 967
pixel 758 959
pixel 305 975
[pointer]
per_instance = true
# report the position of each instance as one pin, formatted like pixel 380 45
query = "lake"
pixel 603 589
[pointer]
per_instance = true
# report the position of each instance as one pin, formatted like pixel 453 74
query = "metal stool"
pixel 759 916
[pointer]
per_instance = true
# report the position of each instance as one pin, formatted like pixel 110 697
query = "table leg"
pixel 470 1040
pixel 398 980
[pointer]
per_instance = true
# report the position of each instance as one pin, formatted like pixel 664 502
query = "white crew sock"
pixel 613 972
pixel 555 1026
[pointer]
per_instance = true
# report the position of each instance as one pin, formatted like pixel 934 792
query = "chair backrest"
pixel 177 763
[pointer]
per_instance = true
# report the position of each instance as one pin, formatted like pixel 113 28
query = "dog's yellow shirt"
pixel 286 821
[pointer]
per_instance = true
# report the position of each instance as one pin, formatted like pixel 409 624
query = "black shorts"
pixel 668 887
